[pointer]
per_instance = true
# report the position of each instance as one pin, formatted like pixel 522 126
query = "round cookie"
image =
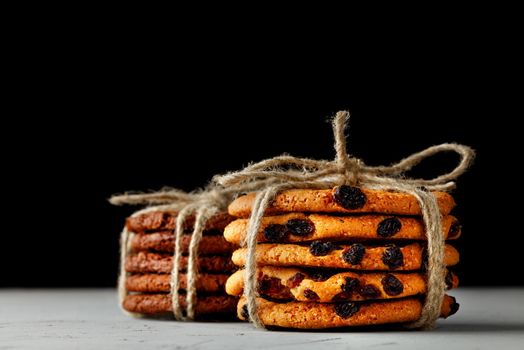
pixel 309 315
pixel 163 263
pixel 161 304
pixel 341 199
pixel 166 220
pixel 299 227
pixel 164 241
pixel 150 283
pixel 284 283
pixel 355 256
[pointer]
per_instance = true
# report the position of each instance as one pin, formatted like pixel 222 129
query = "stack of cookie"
pixel 150 262
pixel 340 257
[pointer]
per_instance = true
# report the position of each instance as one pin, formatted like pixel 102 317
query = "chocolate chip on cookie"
pixel 392 285
pixel 275 233
pixel 369 291
pixel 393 257
pixel 350 285
pixel 318 248
pixel 354 254
pixel 346 310
pixel 349 197
pixel 311 295
pixel 300 227
pixel 389 227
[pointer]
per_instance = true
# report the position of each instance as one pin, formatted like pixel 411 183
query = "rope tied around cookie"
pixel 203 204
pixel 286 172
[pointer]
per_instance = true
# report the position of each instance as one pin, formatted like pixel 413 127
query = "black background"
pixel 109 119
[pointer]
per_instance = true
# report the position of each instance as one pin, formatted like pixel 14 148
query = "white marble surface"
pixel 90 319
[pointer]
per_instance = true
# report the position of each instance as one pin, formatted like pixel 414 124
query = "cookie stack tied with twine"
pixel 339 243
pixel 174 258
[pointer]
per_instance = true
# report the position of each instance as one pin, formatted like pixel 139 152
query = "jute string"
pixel 286 172
pixel 203 204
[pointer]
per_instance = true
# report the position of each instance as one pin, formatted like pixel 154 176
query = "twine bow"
pixel 286 172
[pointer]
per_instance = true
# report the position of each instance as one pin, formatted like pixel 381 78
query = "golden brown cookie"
pixel 151 283
pixel 166 220
pixel 163 263
pixel 299 227
pixel 355 256
pixel 164 241
pixel 341 199
pixel 161 303
pixel 310 315
pixel 285 283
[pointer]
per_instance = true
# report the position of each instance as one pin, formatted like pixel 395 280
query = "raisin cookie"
pixel 284 283
pixel 355 256
pixel 164 241
pixel 311 315
pixel 163 263
pixel 166 220
pixel 150 283
pixel 299 227
pixel 341 199
pixel 161 304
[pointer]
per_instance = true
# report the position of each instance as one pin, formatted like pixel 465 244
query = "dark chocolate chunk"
pixel 454 229
pixel 369 291
pixel 349 197
pixel 275 232
pixel 354 254
pixel 351 285
pixel 300 227
pixel 295 280
pixel 318 248
pixel 389 227
pixel 346 310
pixel 245 312
pixel 311 295
pixel 393 257
pixel 392 285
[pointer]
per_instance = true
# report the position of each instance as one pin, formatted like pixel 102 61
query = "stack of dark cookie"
pixel 150 263
pixel 340 257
